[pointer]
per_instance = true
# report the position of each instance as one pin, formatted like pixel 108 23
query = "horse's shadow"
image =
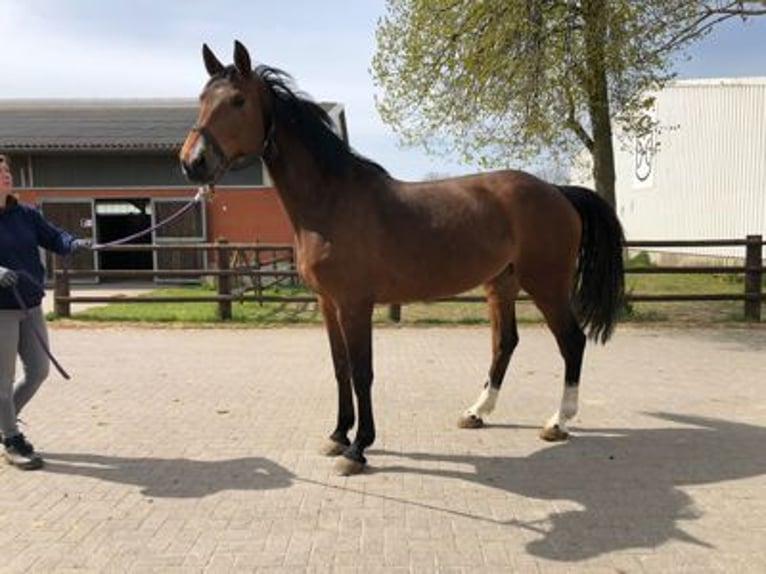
pixel 627 481
pixel 174 477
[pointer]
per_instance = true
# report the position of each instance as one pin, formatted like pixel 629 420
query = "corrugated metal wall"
pixel 708 177
pixel 73 170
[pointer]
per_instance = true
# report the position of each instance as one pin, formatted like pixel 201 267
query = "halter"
pixel 241 161
pixel 270 143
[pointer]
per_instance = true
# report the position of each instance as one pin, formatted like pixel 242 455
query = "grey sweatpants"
pixel 17 338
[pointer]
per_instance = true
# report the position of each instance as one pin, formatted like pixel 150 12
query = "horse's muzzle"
pixel 197 170
pixel 202 159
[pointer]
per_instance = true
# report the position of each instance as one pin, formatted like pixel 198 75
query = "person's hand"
pixel 8 277
pixel 81 245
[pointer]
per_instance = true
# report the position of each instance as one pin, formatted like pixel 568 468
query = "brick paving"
pixel 177 450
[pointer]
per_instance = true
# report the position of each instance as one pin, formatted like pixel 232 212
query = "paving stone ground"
pixel 176 450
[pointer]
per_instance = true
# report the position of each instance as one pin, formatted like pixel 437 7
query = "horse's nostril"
pixel 195 170
pixel 196 166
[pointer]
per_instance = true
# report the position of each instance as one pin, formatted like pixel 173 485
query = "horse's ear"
pixel 242 59
pixel 212 64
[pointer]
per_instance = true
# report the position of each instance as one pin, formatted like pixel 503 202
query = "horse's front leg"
pixel 338 441
pixel 356 326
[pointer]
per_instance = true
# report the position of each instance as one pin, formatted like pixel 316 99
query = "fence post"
pixel 223 281
pixel 395 312
pixel 295 279
pixel 60 288
pixel 753 275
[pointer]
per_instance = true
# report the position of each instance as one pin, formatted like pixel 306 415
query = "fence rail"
pixel 228 264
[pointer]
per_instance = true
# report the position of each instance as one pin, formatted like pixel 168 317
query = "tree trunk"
pixel 598 98
pixel 603 154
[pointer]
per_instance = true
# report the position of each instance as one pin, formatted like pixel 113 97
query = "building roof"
pixel 101 125
pixel 729 81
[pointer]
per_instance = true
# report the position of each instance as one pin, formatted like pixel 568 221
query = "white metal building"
pixel 702 173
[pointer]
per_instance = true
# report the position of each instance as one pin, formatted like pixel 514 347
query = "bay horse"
pixel 363 237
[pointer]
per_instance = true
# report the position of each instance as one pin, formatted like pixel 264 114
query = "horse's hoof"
pixel 554 433
pixel 332 448
pixel 348 467
pixel 470 422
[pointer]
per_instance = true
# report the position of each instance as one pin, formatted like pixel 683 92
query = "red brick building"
pixel 109 168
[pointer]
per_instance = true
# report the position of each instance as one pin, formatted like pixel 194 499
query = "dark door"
pixel 187 229
pixel 127 222
pixel 76 217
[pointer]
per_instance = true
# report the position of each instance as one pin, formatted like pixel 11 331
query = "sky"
pixel 152 49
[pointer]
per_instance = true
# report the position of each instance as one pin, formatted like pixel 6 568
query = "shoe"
pixel 22 423
pixel 21 454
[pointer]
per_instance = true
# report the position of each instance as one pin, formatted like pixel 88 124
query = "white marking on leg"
pixel 568 408
pixel 485 403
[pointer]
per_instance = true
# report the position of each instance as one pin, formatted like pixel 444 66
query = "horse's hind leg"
pixel 571 342
pixel 338 441
pixel 501 296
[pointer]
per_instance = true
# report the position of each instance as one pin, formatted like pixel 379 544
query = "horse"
pixel 364 238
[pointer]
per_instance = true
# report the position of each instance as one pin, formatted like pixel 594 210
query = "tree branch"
pixel 576 127
pixel 708 17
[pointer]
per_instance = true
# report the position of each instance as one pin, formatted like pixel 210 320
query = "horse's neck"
pixel 299 182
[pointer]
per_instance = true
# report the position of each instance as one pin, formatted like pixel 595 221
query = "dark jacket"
pixel 23 230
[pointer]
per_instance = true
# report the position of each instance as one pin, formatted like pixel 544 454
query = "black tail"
pixel 600 282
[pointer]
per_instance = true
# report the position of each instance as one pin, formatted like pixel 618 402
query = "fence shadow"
pixel 626 481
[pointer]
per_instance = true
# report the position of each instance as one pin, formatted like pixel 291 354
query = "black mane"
pixel 312 124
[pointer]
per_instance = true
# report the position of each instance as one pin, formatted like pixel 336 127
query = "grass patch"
pixel 425 314
pixel 681 283
pixel 194 312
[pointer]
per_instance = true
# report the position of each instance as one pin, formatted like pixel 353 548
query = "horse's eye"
pixel 238 101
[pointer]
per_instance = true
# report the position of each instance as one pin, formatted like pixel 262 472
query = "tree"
pixel 500 80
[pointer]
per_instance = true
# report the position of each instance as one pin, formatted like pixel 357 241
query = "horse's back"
pixel 442 237
pixel 510 207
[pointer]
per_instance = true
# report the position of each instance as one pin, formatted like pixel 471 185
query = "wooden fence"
pixel 260 263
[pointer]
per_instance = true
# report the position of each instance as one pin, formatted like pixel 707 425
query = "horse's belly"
pixel 436 281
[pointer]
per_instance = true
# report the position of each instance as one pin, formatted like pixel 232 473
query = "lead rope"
pixel 205 192
pixel 38 335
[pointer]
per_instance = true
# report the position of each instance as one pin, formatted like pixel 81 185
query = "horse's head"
pixel 232 122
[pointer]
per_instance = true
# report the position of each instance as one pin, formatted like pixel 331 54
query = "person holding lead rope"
pixel 23 333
